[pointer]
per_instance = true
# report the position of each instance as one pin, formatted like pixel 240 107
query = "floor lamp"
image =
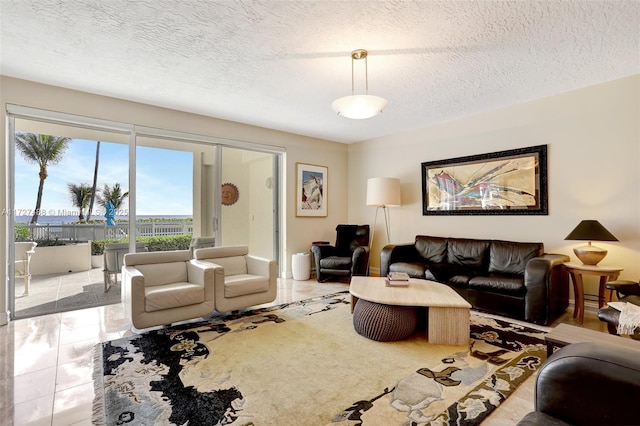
pixel 382 192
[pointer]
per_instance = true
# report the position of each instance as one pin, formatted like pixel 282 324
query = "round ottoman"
pixel 384 323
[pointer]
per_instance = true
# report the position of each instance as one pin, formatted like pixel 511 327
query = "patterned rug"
pixel 302 363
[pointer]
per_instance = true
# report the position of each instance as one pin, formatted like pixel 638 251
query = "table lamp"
pixel 590 230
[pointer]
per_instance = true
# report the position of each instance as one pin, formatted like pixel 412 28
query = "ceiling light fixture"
pixel 359 106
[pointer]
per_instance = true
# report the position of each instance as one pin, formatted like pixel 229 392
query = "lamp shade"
pixel 359 106
pixel 590 230
pixel 383 191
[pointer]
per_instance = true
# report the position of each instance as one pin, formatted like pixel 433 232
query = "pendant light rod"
pixel 357 55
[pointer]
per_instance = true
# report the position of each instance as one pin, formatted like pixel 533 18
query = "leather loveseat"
pixel 587 384
pixel 507 278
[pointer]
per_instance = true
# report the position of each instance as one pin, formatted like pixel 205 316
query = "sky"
pixel 164 179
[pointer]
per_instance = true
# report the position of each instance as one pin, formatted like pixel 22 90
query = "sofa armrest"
pixel 203 274
pixel 360 261
pixel 133 286
pixel 624 287
pixel 589 383
pixel 259 265
pixel 397 253
pixel 547 285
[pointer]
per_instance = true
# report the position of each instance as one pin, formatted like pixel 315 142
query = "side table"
pixel 577 270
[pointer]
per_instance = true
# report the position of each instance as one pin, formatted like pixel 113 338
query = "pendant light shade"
pixel 359 106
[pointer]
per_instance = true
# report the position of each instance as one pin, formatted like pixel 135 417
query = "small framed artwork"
pixel 512 182
pixel 311 190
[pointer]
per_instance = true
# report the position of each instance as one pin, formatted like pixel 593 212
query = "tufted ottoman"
pixel 384 323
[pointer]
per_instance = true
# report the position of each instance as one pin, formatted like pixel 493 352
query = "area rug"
pixel 302 363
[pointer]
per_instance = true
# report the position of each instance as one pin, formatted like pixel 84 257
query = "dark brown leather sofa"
pixel 587 384
pixel 507 278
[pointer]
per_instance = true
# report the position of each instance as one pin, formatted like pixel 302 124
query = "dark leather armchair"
pixel 627 291
pixel 587 384
pixel 347 258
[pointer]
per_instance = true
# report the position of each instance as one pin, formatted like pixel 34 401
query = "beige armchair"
pixel 161 288
pixel 242 280
pixel 23 253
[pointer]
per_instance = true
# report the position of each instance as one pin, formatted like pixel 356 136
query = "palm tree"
pixel 114 195
pixel 42 150
pixel 95 181
pixel 80 196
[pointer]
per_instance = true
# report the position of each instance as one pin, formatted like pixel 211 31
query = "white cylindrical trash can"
pixel 301 266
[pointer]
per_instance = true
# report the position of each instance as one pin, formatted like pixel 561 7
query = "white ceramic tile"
pixel 35 412
pixel 87 332
pixel 74 374
pixel 34 356
pixel 34 385
pixel 73 405
pixel 77 351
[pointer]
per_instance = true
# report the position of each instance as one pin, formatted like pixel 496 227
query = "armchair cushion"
pixel 243 284
pixel 163 273
pixel 234 265
pixel 167 296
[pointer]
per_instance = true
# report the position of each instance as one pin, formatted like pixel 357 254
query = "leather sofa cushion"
pixel 432 249
pixel 161 297
pixel 511 258
pixel 413 269
pixel 499 284
pixel 157 274
pixel 335 262
pixel 443 272
pixel 467 252
pixel 243 284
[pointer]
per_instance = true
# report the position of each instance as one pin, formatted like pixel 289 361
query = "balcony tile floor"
pixel 46 362
pixel 64 292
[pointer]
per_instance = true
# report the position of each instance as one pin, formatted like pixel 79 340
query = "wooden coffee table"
pixel 448 321
pixel 565 334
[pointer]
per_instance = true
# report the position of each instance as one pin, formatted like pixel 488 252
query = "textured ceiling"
pixel 280 64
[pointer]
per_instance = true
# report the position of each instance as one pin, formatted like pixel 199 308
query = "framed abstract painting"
pixel 311 190
pixel 512 182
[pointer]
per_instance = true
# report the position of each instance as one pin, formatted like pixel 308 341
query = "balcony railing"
pixel 78 232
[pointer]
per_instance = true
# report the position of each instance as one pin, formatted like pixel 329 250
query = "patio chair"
pixel 241 280
pixel 113 261
pixel 23 253
pixel 163 287
pixel 201 242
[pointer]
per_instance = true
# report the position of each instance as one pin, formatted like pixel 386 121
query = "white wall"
pixel 593 139
pixel 297 233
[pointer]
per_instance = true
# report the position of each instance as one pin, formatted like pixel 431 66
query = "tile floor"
pixel 64 292
pixel 46 362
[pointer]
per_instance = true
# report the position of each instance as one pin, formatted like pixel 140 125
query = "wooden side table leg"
pixel 578 291
pixel 601 288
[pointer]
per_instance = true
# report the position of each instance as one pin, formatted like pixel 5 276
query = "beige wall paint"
pixel 593 138
pixel 297 233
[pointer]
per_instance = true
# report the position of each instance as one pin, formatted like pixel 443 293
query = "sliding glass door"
pixel 58 194
pixel 113 187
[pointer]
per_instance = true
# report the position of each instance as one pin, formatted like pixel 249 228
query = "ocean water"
pixel 61 220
